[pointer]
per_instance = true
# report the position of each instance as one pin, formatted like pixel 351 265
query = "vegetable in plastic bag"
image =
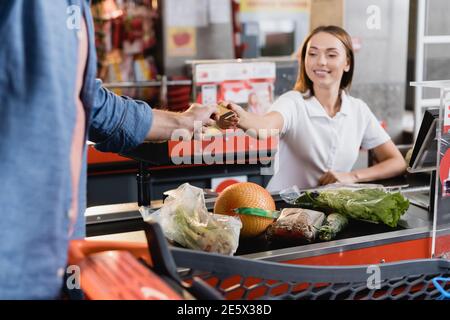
pixel 334 223
pixel 296 224
pixel 291 194
pixel 373 205
pixel 185 220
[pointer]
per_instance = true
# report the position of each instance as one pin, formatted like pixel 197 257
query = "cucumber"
pixel 334 223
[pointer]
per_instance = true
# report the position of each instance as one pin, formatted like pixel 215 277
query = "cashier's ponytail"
pixel 304 84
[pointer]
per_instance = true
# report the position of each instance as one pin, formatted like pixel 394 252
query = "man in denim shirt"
pixel 50 103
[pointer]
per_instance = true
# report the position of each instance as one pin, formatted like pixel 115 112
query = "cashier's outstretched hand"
pixel 341 177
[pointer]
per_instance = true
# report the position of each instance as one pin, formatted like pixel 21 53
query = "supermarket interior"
pixel 225 150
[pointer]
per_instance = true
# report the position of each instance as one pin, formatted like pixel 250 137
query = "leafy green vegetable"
pixel 218 235
pixel 334 223
pixel 374 205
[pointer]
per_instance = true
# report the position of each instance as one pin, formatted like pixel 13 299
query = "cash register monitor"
pixel 423 157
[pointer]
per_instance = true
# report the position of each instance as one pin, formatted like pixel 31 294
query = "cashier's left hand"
pixel 341 177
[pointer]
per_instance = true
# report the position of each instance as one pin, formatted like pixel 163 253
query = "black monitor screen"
pixel 423 157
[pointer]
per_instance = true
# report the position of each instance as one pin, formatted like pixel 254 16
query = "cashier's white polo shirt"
pixel 311 142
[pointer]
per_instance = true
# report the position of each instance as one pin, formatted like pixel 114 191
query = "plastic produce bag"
pixel 296 224
pixel 186 221
pixel 291 194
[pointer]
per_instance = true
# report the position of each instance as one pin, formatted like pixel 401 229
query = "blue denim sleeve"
pixel 5 8
pixel 118 123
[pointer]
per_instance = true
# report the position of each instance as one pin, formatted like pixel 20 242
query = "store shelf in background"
pixel 178 97
pixel 173 94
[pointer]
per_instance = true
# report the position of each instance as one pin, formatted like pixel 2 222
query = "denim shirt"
pixel 38 57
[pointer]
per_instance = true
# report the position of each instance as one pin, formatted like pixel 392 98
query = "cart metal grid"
pixel 240 278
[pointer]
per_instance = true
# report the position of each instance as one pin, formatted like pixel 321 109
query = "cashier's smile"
pixel 230 147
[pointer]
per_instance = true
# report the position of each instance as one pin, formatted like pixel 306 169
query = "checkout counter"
pixel 422 232
pixel 359 243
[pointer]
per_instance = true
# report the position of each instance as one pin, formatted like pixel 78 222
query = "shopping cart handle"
pixel 440 287
pixel 162 260
pixel 202 291
pixel 164 264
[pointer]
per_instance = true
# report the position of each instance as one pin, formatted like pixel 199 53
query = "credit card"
pixel 227 115
pixel 223 110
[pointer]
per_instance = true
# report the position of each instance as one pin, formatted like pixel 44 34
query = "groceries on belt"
pixel 372 205
pixel 296 224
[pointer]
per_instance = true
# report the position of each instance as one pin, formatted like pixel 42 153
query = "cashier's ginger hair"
pixel 304 84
